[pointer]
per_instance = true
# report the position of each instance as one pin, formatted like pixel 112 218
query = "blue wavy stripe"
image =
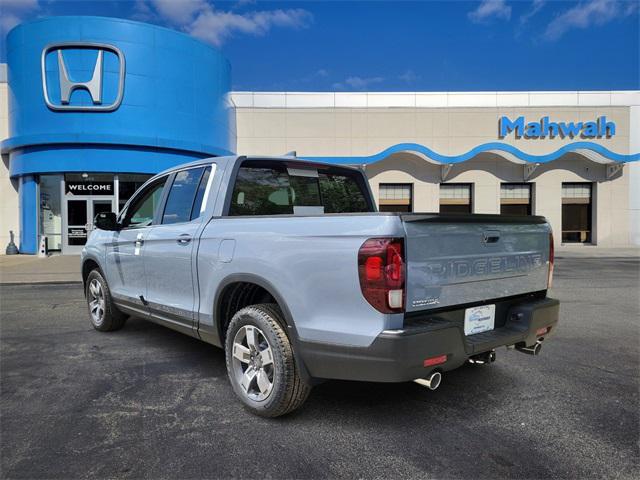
pixel 416 147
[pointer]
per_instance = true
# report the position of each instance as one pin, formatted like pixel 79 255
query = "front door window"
pixel 142 209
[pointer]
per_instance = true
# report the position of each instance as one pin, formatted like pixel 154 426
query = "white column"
pixel 633 171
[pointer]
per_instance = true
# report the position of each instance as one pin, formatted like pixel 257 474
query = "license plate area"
pixel 479 319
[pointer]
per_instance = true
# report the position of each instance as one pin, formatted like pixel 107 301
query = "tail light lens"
pixel 381 268
pixel 551 259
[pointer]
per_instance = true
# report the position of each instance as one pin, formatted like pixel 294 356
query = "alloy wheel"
pixel 252 364
pixel 96 301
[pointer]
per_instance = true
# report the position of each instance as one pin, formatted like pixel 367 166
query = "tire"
pixel 269 385
pixel 103 314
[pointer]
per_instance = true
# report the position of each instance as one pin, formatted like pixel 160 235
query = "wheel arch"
pixel 265 285
pixel 88 265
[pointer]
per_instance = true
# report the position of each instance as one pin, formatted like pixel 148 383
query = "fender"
pixel 273 291
pixel 85 259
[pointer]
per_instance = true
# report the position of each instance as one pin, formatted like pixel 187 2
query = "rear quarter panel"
pixel 311 262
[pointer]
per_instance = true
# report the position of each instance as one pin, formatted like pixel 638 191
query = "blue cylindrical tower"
pixel 93 95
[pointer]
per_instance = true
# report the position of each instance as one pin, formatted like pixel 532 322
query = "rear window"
pixel 268 188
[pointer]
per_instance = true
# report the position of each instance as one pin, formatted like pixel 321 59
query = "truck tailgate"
pixel 461 259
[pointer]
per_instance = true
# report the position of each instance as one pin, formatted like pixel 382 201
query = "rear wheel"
pixel 260 362
pixel 103 314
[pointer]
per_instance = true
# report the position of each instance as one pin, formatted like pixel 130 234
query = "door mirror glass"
pixel 106 221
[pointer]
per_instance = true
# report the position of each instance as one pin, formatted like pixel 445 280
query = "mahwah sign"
pixel 547 129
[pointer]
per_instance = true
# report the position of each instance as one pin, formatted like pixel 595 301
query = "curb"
pixel 32 284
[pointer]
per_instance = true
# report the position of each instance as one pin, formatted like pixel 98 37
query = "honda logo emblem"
pixel 68 83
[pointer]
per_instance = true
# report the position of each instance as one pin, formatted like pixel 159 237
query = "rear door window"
pixel 269 188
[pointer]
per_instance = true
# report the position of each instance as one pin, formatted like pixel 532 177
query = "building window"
pixel 515 199
pixel 396 197
pixel 456 198
pixel 576 213
pixel 51 210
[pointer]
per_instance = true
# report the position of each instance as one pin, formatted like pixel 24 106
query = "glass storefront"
pixel 395 197
pixel 456 198
pixel 128 183
pixel 576 212
pixel 70 202
pixel 51 210
pixel 515 199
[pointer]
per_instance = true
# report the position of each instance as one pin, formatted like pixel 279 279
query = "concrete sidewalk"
pixel 591 251
pixel 26 269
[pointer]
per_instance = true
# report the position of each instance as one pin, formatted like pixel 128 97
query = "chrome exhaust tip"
pixel 431 382
pixel 531 350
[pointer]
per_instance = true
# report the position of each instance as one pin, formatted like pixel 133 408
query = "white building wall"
pixel 356 124
pixel 364 124
pixel 9 205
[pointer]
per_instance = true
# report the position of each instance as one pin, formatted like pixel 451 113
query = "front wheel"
pixel 103 314
pixel 260 362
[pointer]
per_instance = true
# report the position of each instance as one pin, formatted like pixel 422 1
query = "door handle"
pixel 138 244
pixel 184 239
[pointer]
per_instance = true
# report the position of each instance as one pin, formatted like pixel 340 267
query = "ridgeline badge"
pixel 544 128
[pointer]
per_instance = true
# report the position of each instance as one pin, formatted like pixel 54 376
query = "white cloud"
pixel 587 14
pixel 489 9
pixel 409 76
pixel 179 12
pixel 202 20
pixel 536 6
pixel 14 12
pixel 216 26
pixel 357 83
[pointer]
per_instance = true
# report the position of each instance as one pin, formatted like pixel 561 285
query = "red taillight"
pixel 551 259
pixel 381 270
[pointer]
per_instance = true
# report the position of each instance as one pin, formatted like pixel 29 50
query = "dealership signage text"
pixel 546 128
pixel 89 188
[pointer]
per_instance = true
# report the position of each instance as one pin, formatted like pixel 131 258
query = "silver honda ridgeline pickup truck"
pixel 287 265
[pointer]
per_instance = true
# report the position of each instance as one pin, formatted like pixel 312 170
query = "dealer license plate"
pixel 479 319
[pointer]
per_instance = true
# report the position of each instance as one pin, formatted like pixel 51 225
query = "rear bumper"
pixel 398 355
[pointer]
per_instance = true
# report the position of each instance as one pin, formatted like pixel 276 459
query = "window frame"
pixel 205 197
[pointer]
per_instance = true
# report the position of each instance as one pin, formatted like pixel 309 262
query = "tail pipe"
pixel 431 382
pixel 531 350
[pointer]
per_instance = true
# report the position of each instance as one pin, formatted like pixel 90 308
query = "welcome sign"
pixel 544 128
pixel 88 188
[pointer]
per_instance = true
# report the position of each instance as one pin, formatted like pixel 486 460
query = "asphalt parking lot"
pixel 146 402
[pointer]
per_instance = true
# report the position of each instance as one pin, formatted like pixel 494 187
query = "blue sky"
pixel 394 46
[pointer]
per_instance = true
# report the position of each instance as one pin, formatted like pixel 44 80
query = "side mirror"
pixel 106 221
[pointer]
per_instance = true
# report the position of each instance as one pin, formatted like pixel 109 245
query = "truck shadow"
pixel 465 389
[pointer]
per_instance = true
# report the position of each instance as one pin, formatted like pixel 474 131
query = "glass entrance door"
pixel 80 213
pixel 76 231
